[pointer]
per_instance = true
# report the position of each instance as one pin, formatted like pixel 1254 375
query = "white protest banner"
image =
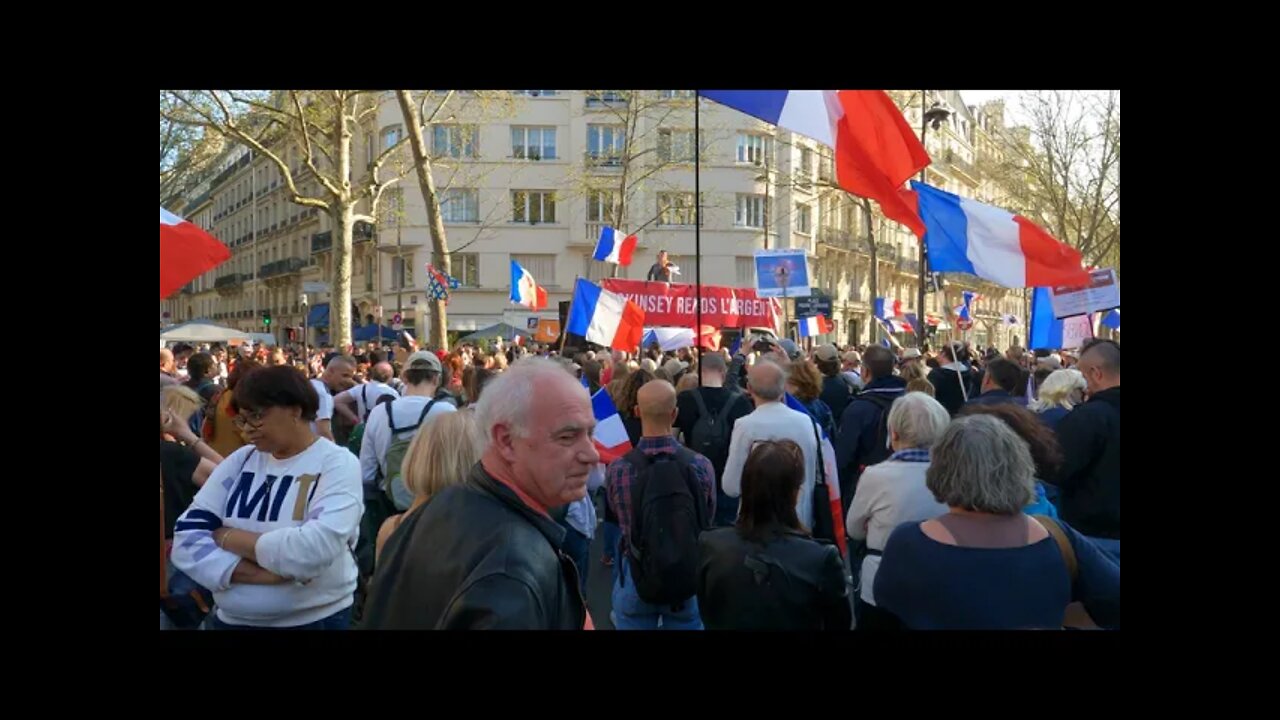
pixel 1102 293
pixel 1076 331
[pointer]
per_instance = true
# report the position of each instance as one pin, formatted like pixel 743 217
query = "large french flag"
pixel 875 150
pixel 185 252
pixel 614 247
pixel 610 435
pixel 964 235
pixel 605 318
pixel 525 290
pixel 816 325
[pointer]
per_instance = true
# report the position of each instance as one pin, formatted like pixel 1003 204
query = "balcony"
pixel 602 160
pixel 281 267
pixel 228 284
pixel 908 265
pixel 886 252
pixel 963 166
pixel 187 289
pixel 835 237
pixel 322 242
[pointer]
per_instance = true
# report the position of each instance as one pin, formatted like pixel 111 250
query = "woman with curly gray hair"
pixel 984 565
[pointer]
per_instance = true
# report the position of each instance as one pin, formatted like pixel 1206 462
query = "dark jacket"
pixel 475 557
pixel 1053 416
pixel 837 393
pixel 658 273
pixel 946 387
pixel 856 444
pixel 995 397
pixel 791 582
pixel 821 414
pixel 1090 475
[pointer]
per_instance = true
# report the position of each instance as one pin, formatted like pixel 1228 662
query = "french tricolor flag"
pixel 614 247
pixel 186 251
pixel 610 435
pixel 524 290
pixel 605 318
pixel 816 325
pixel 964 235
pixel 875 150
pixel 886 308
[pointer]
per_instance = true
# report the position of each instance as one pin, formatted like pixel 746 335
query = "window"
pixel 465 267
pixel 676 209
pixel 752 148
pixel 533 206
pixel 606 96
pixel 602 207
pixel 533 143
pixel 675 145
pixel 460 205
pixel 401 272
pixel 802 218
pixel 369 149
pixel 541 267
pixel 806 165
pixel 826 172
pixel 750 211
pixel 746 267
pixel 392 208
pixel 596 271
pixel 605 143
pixel 456 141
pixel 368 276
pixel 676 94
pixel 390 136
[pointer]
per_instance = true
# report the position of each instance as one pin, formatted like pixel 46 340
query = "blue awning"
pixel 319 315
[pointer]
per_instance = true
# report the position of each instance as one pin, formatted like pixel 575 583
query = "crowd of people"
pixel 392 487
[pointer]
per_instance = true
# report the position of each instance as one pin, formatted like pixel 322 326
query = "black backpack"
pixel 880 450
pixel 710 434
pixel 667 515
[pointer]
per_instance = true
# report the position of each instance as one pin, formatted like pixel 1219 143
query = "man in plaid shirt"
pixel 657 404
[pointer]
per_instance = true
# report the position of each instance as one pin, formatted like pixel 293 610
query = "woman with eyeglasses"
pixel 271 532
pixel 767 573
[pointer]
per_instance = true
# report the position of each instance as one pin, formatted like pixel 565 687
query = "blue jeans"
pixel 578 547
pixel 340 620
pixel 612 535
pixel 632 613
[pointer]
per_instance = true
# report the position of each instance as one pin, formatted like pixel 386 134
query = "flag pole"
pixel 564 331
pixel 697 230
pixel 924 257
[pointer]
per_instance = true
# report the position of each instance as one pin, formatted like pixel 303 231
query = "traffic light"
pixel 266 318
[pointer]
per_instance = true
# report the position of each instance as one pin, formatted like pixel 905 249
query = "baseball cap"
pixel 675 367
pixel 827 353
pixel 424 360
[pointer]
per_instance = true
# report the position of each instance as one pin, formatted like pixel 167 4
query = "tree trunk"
pixel 875 270
pixel 340 302
pixel 439 338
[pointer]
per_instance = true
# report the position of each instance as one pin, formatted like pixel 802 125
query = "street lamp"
pixel 934 115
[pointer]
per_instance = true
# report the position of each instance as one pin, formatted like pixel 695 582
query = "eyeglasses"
pixel 253 418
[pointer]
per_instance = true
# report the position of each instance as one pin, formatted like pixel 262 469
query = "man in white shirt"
pixel 421 377
pixel 772 420
pixel 336 378
pixel 356 404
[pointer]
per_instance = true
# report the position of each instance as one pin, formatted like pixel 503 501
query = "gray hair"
pixel 508 398
pixel 918 419
pixel 771 390
pixel 1057 388
pixel 980 464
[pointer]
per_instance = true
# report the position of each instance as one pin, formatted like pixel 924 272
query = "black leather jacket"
pixel 475 557
pixel 792 582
